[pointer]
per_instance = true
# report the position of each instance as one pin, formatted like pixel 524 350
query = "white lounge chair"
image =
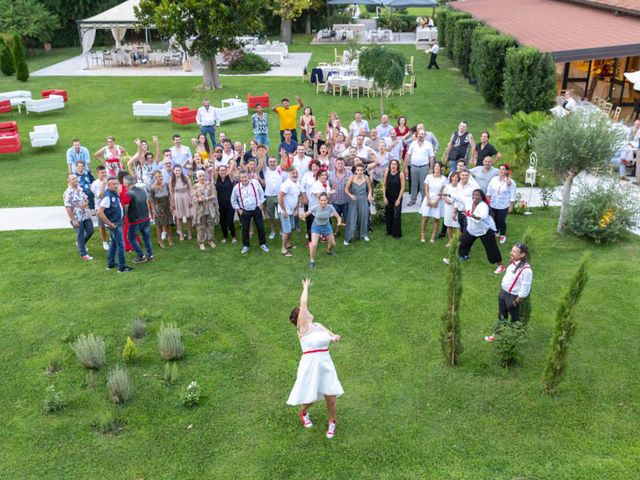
pixel 141 109
pixel 53 102
pixel 17 97
pixel 232 108
pixel 44 135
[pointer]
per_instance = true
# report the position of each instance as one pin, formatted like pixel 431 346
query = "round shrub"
pixel 89 350
pixel 170 342
pixel 249 63
pixel 603 212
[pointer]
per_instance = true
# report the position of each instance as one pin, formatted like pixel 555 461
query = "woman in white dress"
pixel 316 377
pixel 450 214
pixel 432 204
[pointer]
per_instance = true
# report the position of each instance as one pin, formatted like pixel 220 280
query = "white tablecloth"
pixel 428 34
pixel 354 27
pixel 342 70
pixel 347 82
pixel 271 57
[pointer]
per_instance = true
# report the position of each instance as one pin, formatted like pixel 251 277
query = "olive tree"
pixel 385 66
pixel 581 141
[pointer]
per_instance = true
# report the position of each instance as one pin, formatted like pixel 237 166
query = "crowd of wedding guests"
pixel 319 178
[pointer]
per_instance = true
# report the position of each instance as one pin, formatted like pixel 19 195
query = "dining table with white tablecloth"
pixel 349 81
pixel 429 34
pixel 342 70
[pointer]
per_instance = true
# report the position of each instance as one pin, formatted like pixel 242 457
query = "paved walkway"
pixel 51 218
pixel 292 66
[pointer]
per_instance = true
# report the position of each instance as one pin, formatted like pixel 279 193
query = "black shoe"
pixel 150 258
pixel 139 260
pixel 442 234
pixel 126 269
pixel 110 267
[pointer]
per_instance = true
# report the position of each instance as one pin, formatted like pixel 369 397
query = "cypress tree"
pixel 564 329
pixel 22 69
pixel 450 335
pixel 6 58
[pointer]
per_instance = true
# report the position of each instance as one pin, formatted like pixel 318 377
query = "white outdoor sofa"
pixel 54 102
pixel 17 97
pixel 44 135
pixel 141 109
pixel 232 108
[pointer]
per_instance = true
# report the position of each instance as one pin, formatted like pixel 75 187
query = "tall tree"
pixel 450 336
pixel 288 11
pixel 22 70
pixel 203 27
pixel 385 66
pixel 564 329
pixel 580 141
pixel 7 65
pixel 27 18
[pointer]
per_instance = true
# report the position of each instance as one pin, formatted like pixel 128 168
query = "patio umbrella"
pixel 409 3
pixel 355 2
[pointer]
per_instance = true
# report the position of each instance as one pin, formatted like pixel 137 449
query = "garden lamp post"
pixel 530 177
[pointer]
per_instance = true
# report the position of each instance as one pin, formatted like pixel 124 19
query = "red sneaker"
pixel 500 269
pixel 305 419
pixel 331 429
pixel 490 338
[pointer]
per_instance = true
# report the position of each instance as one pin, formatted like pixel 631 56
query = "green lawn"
pixel 102 106
pixel 45 59
pixel 404 415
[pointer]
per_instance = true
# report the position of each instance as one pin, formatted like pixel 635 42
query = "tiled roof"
pixel 567 30
pixel 628 6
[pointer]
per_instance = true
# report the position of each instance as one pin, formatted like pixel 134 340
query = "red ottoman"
pixel 5 106
pixel 261 99
pixel 62 93
pixel 183 115
pixel 9 138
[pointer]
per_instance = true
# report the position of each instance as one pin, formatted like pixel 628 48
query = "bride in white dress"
pixel 316 377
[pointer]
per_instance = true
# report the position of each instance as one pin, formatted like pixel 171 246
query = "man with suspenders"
pixel 246 198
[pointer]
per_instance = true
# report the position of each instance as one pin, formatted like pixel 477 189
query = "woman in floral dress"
pixel 159 194
pixel 111 156
pixel 205 201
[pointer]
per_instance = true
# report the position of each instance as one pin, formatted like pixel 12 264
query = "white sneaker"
pixel 264 248
pixel 331 429
pixel 244 250
pixel 366 239
pixel 105 246
pixel 445 261
pixel 272 235
pixel 500 269
pixel 305 419
pixel 345 243
pixel 163 236
pixel 503 239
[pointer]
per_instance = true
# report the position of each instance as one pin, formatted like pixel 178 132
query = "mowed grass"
pixel 404 414
pixel 102 106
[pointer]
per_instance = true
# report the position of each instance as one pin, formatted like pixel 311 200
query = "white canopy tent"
pixel 634 77
pixel 117 19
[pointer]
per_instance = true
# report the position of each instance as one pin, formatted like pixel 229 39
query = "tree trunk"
pixel 382 101
pixel 210 77
pixel 307 25
pixel 285 30
pixel 566 197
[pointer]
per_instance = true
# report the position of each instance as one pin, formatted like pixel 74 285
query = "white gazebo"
pixel 117 19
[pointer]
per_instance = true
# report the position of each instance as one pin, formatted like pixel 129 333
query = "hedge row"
pixel 506 75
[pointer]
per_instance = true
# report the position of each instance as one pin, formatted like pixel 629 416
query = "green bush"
pixel 8 65
pixel 130 351
pixel 378 201
pixel 22 69
pixel 138 328
pixel 390 18
pixel 191 396
pixel 119 385
pixel 441 22
pixel 529 80
pixel 170 342
pixel 107 424
pixel 53 400
pixel 518 133
pixel 510 342
pixel 452 19
pixel 170 376
pixel 89 350
pixel 463 30
pixel 602 212
pixel 474 59
pixel 249 63
pixel 490 66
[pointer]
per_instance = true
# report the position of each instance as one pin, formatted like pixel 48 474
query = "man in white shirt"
pixel 337 124
pixel 207 119
pixel 356 127
pixel 384 129
pixel 273 178
pixel 362 151
pixel 301 160
pixel 434 50
pixel 421 157
pixel 180 154
pixel 288 206
pixel 246 198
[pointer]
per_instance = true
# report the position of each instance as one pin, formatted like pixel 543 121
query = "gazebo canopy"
pixel 118 19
